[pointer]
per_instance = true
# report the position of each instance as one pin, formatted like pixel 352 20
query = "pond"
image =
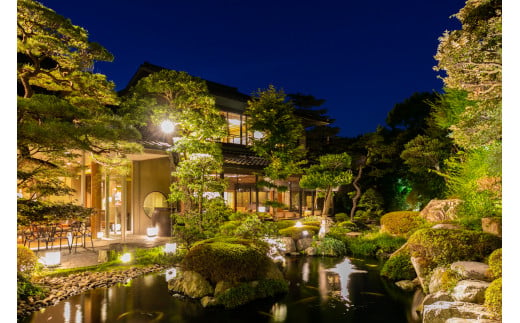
pixel 321 290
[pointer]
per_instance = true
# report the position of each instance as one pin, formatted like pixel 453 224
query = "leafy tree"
pixel 281 131
pixel 471 107
pixel 472 60
pixel 332 171
pixel 62 105
pixel 185 101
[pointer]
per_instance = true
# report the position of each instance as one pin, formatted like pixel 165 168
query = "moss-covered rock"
pixel 443 279
pixel 401 223
pixel 495 263
pixel 190 283
pixel 232 260
pixel 493 298
pixel 443 247
pixel 399 267
pixel 249 291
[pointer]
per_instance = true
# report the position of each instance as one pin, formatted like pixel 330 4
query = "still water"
pixel 321 290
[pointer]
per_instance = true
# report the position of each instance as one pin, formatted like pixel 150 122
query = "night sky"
pixel 362 57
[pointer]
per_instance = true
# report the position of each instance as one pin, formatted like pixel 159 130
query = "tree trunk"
pixel 327 202
pixel 358 193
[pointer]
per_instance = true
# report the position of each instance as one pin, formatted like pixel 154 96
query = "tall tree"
pixel 332 171
pixel 62 104
pixel 184 101
pixel 280 132
pixel 472 60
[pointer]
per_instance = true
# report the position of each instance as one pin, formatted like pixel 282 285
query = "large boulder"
pixel 492 225
pixel 440 210
pixel 472 270
pixel 288 244
pixel 437 297
pixel 421 269
pixel 472 291
pixel 303 244
pixel 190 283
pixel 436 247
pixel 442 280
pixel 440 312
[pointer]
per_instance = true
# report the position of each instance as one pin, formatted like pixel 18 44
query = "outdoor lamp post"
pixel 167 126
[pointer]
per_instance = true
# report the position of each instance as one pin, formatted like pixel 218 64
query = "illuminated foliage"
pixel 472 60
pixel 271 114
pixel 62 107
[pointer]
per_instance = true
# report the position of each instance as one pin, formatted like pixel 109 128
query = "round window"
pixel 152 201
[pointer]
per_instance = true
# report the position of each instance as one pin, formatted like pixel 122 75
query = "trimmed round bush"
pixel 296 232
pixel 349 225
pixel 440 247
pixel 402 223
pixel 285 224
pixel 493 298
pixel 399 267
pixel 26 261
pixel 234 260
pixel 495 263
pixel 341 217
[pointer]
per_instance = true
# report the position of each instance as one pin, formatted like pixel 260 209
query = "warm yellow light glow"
pixel 126 257
pixel 170 247
pixel 52 258
pixel 235 122
pixel 298 224
pixel 152 231
pixel 170 273
pixel 167 126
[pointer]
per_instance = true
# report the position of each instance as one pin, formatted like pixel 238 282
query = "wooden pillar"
pixel 301 202
pixel 95 220
pixel 124 209
pixel 257 193
pixel 107 205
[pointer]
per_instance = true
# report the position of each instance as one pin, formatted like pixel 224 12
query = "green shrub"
pixel 338 233
pixel 441 247
pixel 402 223
pixel 350 226
pixel 229 261
pixel 329 246
pixel 228 228
pixel 26 261
pixel 341 217
pixel 399 267
pixel 285 224
pixel 247 292
pixel 151 256
pixel 312 223
pixel 373 244
pixel 296 233
pixel 493 298
pixel 495 263
pixel 24 288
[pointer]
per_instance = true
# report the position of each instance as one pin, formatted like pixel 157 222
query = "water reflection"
pixel 320 290
pixel 279 312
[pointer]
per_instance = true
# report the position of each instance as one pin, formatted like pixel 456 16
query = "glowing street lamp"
pixel 167 126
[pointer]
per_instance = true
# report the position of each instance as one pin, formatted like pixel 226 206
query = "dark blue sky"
pixel 362 57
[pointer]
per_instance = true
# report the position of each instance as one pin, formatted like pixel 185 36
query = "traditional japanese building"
pixel 134 203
